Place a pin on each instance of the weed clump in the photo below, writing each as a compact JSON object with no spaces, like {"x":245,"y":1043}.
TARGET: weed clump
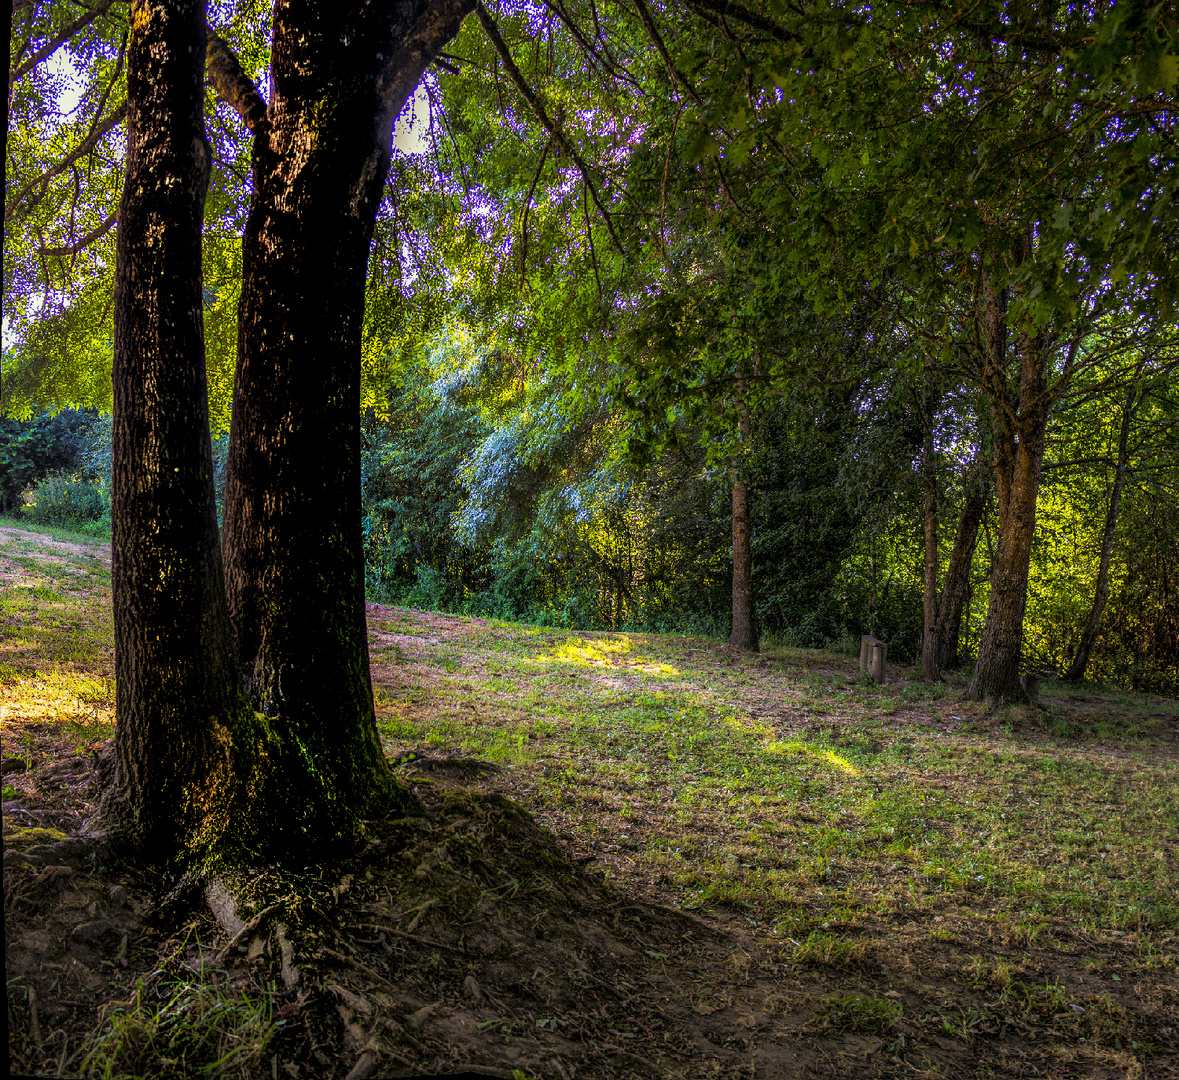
{"x":175,"y":1027}
{"x":860,"y":1013}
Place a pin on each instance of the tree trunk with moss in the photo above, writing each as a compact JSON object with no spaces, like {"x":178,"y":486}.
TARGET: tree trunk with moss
{"x":184,"y":732}
{"x":203,"y":772}
{"x":293,"y":546}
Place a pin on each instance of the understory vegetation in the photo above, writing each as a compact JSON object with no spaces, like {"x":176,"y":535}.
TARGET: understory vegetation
{"x":900,"y":865}
{"x":479,"y":499}
{"x":470,"y":510}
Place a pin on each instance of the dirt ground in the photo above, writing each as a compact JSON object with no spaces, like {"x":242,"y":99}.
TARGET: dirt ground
{"x":470,"y":939}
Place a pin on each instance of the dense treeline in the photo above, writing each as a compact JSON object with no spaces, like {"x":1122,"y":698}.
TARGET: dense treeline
{"x":682,"y":318}
{"x":468,"y":510}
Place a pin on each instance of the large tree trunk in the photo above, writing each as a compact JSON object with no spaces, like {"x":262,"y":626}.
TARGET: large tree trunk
{"x":929,"y":654}
{"x":293,"y":548}
{"x":1019,"y":432}
{"x":1076,"y":670}
{"x":184,"y":738}
{"x":956,"y":586}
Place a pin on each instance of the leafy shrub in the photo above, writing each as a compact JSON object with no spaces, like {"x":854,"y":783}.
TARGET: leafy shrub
{"x":428,"y":592}
{"x":67,"y":501}
{"x":32,"y":449}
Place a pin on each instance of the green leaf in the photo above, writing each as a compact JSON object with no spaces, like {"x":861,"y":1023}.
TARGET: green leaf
{"x":1157,"y":70}
{"x":700,"y":145}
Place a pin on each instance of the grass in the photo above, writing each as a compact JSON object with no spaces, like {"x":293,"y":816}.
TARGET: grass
{"x":56,"y":642}
{"x":1029,"y":856}
{"x":199,"y":1027}
{"x":758,"y":783}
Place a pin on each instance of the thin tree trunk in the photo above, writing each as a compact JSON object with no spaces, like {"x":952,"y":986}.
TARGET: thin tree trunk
{"x":872,"y":583}
{"x":929,"y":654}
{"x":1019,"y":453}
{"x":956,"y":586}
{"x":184,"y":729}
{"x":744,"y":635}
{"x":1076,"y":670}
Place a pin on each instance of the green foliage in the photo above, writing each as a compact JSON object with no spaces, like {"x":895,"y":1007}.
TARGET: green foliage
{"x":30,"y":450}
{"x":789,"y":223}
{"x":68,"y":500}
{"x":177,"y":1027}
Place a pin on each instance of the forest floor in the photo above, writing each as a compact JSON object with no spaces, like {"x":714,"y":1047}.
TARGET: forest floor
{"x":641,"y":857}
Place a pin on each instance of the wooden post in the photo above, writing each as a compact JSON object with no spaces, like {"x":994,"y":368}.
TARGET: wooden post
{"x":873,"y":656}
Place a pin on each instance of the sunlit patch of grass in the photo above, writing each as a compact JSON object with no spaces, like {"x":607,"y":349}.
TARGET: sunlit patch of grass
{"x":826,"y":755}
{"x":56,"y":645}
{"x":61,"y":697}
{"x":603,"y":652}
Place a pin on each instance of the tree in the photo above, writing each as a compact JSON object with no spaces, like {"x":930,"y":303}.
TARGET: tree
{"x":177,"y":679}
{"x":293,"y":546}
{"x":1130,"y":443}
{"x":301,"y":763}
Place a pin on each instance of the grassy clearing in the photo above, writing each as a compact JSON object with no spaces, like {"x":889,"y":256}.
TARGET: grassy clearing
{"x":56,"y":643}
{"x":787,"y":788}
{"x":918,"y":868}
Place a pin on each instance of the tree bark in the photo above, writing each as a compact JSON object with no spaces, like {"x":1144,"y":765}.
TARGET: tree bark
{"x":744,"y":634}
{"x":930,"y":671}
{"x":1020,"y":428}
{"x":1076,"y":669}
{"x":184,"y":738}
{"x":956,"y":586}
{"x":293,"y":545}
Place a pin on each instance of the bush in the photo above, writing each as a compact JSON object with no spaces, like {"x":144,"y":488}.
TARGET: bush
{"x":67,"y":501}
{"x":32,"y":449}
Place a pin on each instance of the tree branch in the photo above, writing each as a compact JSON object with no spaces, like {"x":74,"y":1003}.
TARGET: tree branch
{"x":608,"y":63}
{"x":437,"y":25}
{"x":85,"y":242}
{"x":653,"y":33}
{"x":232,"y":84}
{"x":83,"y":148}
{"x":749,"y":18}
{"x":537,"y":106}
{"x":64,"y":35}
{"x":524,"y":218}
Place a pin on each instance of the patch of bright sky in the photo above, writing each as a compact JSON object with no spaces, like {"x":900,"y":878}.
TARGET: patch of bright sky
{"x":61,"y":66}
{"x":413,"y":125}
